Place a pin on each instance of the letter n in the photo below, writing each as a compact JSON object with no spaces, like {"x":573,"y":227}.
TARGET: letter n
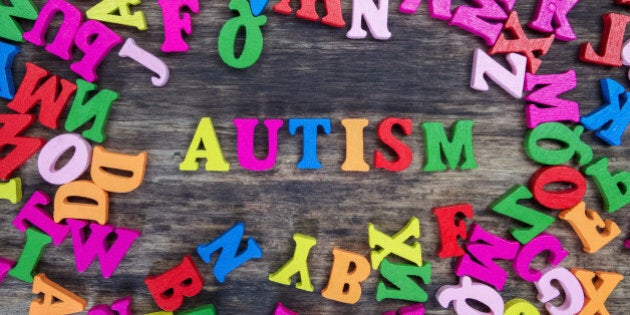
{"x":228,"y":243}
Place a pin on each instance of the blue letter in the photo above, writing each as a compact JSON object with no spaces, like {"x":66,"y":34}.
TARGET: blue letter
{"x":309,"y":140}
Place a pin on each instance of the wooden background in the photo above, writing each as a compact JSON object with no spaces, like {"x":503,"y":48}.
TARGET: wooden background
{"x":309,"y":70}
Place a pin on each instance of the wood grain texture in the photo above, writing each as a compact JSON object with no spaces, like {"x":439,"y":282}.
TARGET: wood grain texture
{"x":309,"y":70}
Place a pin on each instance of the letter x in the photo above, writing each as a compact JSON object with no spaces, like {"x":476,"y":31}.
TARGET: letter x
{"x":395,"y":244}
{"x":597,"y":292}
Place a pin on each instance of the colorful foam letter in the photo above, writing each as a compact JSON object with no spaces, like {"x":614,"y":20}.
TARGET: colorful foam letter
{"x":405,"y":288}
{"x":253,"y":46}
{"x":542,"y":243}
{"x":485,"y":19}
{"x":245,"y":143}
{"x":402,"y":151}
{"x":183,"y":280}
{"x":95,"y":109}
{"x":228,"y":243}
{"x":21,"y":148}
{"x":96,"y":245}
{"x":558,"y":199}
{"x":85,"y":189}
{"x":612,"y":186}
{"x":354,"y":145}
{"x":485,"y":247}
{"x":310,"y":127}
{"x":414,"y":309}
{"x":409,"y":7}
{"x":533,"y":49}
{"x":5,"y":266}
{"x":307,"y":11}
{"x":93,"y":38}
{"x":104,"y":12}
{"x":574,"y":296}
{"x":344,"y":285}
{"x":121,"y":306}
{"x":551,"y":16}
{"x":54,"y":149}
{"x":56,"y":300}
{"x":610,"y":44}
{"x":594,"y":232}
{"x":467,"y":289}
{"x":39,"y":87}
{"x":205,"y":135}
{"x":611,"y":119}
{"x":130,"y":49}
{"x":62,"y":44}
{"x":395,"y":244}
{"x":597,"y":288}
{"x":507,"y":205}
{"x":375,"y":17}
{"x":10,"y":28}
{"x":438,"y":9}
{"x":520,"y":307}
{"x":33,"y":214}
{"x":258,"y":6}
{"x":452,"y":228}
{"x":103,"y":161}
{"x":207,"y":309}
{"x":36,"y":241}
{"x":437,"y":145}
{"x":511,"y":81}
{"x":11,"y":190}
{"x":297,"y":264}
{"x":550,"y":87}
{"x":283,"y":310}
{"x":570,"y":144}
{"x":7,"y":55}
{"x":176,"y":22}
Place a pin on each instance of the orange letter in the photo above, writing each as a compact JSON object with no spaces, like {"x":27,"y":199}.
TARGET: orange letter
{"x":102,"y":160}
{"x":97,"y":209}
{"x":345,"y":285}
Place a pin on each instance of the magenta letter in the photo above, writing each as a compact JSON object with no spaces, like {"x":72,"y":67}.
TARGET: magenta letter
{"x":175,"y":23}
{"x":245,"y":143}
{"x":38,"y":217}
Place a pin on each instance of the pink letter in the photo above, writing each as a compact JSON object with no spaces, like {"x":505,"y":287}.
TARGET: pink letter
{"x":97,"y":245}
{"x":245,"y":143}
{"x":554,"y":12}
{"x":175,"y":22}
{"x":121,"y":306}
{"x":574,"y":296}
{"x":95,"y":40}
{"x":38,"y":217}
{"x":554,"y":109}
{"x":465,"y":290}
{"x":476,"y":19}
{"x":283,"y":310}
{"x":485,"y":248}
{"x":153,"y":63}
{"x":375,"y":18}
{"x":62,"y":44}
{"x":54,"y":149}
{"x":5,"y":266}
{"x":511,"y":81}
{"x":543,"y":242}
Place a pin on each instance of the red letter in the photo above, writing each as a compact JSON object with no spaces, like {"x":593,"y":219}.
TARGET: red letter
{"x":384,"y":132}
{"x":33,"y":90}
{"x":183,"y":280}
{"x":451,"y":227}
{"x":11,"y":125}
